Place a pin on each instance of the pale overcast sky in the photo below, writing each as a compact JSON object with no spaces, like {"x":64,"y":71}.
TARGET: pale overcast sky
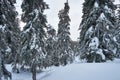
{"x":52,"y":14}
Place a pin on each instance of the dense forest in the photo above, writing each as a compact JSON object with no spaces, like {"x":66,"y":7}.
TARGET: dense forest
{"x":39,"y":45}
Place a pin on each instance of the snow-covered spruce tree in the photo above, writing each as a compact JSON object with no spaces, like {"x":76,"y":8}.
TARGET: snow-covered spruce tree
{"x":50,"y":46}
{"x":9,"y":31}
{"x":97,"y":23}
{"x":116,"y":33}
{"x":64,"y":50}
{"x":33,"y":52}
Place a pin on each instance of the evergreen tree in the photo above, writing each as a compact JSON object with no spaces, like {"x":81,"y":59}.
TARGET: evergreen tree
{"x":116,"y":33}
{"x":95,"y":30}
{"x":9,"y":32}
{"x":50,"y":45}
{"x":63,"y":46}
{"x":33,"y":52}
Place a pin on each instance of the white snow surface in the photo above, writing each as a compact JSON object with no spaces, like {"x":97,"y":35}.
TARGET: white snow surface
{"x":114,"y":38}
{"x":99,"y":51}
{"x":96,"y":5}
{"x":28,"y":30}
{"x":107,"y":27}
{"x":33,"y":45}
{"x":36,"y":14}
{"x":76,"y":71}
{"x":8,"y":49}
{"x":94,"y":43}
{"x":106,"y":7}
{"x":90,"y":31}
{"x":102,"y":16}
{"x":2,"y":27}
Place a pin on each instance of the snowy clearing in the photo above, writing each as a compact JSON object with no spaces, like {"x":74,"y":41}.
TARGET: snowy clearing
{"x":76,"y":71}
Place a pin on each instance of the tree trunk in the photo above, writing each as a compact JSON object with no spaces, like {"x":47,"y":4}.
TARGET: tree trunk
{"x":34,"y":72}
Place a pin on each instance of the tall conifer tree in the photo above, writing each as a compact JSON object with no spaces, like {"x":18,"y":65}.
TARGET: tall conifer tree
{"x":50,"y":45}
{"x":97,"y":24}
{"x":9,"y":31}
{"x":63,"y":47}
{"x":116,"y":33}
{"x":33,"y":52}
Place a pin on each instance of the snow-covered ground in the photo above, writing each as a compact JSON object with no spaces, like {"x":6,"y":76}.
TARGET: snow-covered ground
{"x":76,"y":71}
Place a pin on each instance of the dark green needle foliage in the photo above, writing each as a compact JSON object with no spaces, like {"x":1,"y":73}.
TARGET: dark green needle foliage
{"x":98,"y":21}
{"x":63,"y":44}
{"x":33,"y":52}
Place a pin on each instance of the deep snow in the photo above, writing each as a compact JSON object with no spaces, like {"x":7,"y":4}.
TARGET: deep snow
{"x":76,"y":71}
